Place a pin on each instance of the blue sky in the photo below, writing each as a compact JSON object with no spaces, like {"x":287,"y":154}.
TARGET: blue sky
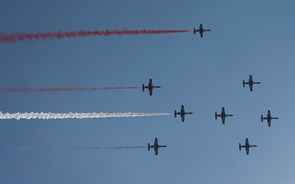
{"x":247,"y":37}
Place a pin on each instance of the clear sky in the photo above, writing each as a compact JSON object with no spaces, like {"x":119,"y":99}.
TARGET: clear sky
{"x":247,"y":37}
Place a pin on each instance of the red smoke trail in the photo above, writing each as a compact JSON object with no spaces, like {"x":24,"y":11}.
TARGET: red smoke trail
{"x":108,"y":147}
{"x":17,"y":90}
{"x":60,"y":35}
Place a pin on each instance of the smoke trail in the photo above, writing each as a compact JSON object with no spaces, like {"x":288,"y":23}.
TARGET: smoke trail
{"x":18,"y":90}
{"x":61,"y":35}
{"x":40,"y":148}
{"x":71,"y":115}
{"x":108,"y":147}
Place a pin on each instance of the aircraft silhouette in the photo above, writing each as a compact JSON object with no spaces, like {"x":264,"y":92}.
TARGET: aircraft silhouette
{"x":247,"y":146}
{"x":156,"y":146}
{"x":182,"y":113}
{"x":268,"y":118}
{"x":250,"y":83}
{"x":150,"y":87}
{"x":201,"y":30}
{"x":223,"y":115}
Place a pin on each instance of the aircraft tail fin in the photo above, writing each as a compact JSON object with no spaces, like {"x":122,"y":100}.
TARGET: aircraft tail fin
{"x":175,"y":114}
{"x":215,"y":115}
{"x":149,"y":147}
{"x":240,"y":146}
{"x":244,"y":83}
{"x":142,"y":87}
{"x":261,"y":118}
{"x":195,"y":31}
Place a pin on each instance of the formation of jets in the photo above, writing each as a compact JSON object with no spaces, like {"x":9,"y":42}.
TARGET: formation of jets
{"x":182,"y":113}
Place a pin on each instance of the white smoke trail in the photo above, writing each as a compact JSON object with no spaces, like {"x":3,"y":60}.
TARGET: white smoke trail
{"x":71,"y":115}
{"x":59,"y":148}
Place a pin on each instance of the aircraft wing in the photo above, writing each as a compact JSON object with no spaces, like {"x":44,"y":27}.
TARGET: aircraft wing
{"x":246,"y":141}
{"x":247,"y":150}
{"x":151,"y":91}
{"x":150,"y":82}
{"x":269,"y":123}
{"x":182,"y":117}
{"x":156,"y":141}
{"x":182,"y":108}
{"x":251,"y":87}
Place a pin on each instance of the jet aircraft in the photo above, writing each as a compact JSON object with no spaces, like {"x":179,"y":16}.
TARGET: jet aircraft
{"x":156,"y":146}
{"x":182,"y":113}
{"x":223,"y":115}
{"x":250,"y":83}
{"x":247,"y":146}
{"x":201,"y":30}
{"x":268,"y":118}
{"x":150,"y":87}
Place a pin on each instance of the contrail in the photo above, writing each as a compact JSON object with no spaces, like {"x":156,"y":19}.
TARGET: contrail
{"x":71,"y":115}
{"x":20,"y":90}
{"x":11,"y":38}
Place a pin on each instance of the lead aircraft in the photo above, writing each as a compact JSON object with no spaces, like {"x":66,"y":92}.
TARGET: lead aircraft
{"x":250,"y":83}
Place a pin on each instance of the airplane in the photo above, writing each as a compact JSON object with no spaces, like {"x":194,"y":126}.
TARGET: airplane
{"x":268,"y":118}
{"x":182,"y":113}
{"x":201,"y":30}
{"x":247,"y":146}
{"x":223,"y":115}
{"x":150,"y":86}
{"x":156,"y":146}
{"x":250,"y":83}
